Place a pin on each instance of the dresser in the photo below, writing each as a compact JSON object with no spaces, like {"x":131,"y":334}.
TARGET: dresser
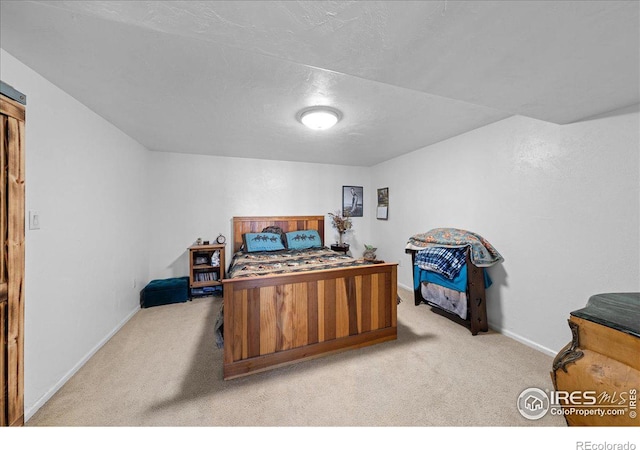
{"x":597,"y":375}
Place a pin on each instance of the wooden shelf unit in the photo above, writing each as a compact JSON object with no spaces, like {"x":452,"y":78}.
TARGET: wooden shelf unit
{"x":201,"y":272}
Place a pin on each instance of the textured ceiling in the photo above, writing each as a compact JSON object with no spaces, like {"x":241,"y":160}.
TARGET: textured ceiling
{"x":228,"y":78}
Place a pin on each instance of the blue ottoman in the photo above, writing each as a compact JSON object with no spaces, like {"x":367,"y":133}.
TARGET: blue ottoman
{"x":163,"y":292}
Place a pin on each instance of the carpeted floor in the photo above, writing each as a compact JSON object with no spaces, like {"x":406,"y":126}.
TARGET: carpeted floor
{"x":163,"y":369}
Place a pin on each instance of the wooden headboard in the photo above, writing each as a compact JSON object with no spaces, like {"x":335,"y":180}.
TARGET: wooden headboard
{"x":243,"y":225}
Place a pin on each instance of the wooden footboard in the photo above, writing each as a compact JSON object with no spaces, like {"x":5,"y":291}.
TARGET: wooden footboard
{"x":282,"y":319}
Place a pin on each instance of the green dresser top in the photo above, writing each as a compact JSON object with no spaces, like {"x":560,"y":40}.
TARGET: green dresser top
{"x":620,"y":311}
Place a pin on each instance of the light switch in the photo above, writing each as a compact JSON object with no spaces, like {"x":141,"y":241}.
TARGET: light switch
{"x":34,"y":220}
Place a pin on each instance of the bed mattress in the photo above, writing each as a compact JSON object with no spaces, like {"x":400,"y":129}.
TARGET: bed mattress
{"x":253,"y":264}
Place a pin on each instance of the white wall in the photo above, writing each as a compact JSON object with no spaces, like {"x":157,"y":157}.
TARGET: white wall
{"x":88,"y":181}
{"x":559,"y":202}
{"x":196,"y":196}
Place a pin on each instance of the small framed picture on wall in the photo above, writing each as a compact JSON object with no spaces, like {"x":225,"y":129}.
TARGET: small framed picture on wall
{"x":352,"y":201}
{"x":382,"y":212}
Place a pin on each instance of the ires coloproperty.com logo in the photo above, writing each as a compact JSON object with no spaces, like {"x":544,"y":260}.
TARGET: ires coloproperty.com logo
{"x":534,"y":403}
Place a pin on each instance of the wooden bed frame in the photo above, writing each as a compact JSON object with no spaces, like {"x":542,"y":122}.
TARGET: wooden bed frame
{"x":275,"y":320}
{"x":476,"y":298}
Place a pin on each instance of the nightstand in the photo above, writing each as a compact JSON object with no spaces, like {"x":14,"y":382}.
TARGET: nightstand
{"x":206,"y":269}
{"x":344,"y":248}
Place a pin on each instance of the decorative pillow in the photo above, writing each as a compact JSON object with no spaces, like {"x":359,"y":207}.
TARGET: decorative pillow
{"x":262,"y":242}
{"x":303,"y":239}
{"x":277,"y":230}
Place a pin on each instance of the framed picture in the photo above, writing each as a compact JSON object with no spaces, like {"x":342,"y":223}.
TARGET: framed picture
{"x":352,"y":201}
{"x":382,"y":211}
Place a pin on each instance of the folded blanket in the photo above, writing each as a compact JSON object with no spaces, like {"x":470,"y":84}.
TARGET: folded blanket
{"x":459,"y":283}
{"x":444,"y":260}
{"x":447,"y":299}
{"x":482,"y":253}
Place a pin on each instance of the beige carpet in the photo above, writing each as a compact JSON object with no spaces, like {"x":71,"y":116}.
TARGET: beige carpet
{"x":163,"y":369}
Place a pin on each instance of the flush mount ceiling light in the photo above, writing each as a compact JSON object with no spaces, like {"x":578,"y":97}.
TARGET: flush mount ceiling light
{"x":319,"y":117}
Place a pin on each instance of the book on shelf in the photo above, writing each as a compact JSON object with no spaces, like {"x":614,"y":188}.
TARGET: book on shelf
{"x":206,"y":276}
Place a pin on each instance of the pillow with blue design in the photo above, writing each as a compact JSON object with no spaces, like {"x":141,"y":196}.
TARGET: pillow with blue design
{"x":301,"y":239}
{"x":262,"y":242}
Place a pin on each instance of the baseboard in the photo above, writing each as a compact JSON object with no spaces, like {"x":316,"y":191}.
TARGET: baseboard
{"x":523,"y":340}
{"x":509,"y":334}
{"x":45,"y":398}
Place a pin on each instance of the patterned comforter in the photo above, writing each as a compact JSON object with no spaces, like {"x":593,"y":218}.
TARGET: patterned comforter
{"x":286,"y":261}
{"x":482,"y":253}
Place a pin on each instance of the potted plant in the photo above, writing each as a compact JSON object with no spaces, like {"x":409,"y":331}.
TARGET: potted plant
{"x":342,"y":223}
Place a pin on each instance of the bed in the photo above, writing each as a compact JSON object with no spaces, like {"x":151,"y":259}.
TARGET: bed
{"x":286,"y":316}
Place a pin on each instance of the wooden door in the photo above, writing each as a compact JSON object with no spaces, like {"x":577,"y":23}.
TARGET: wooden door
{"x":12,"y":188}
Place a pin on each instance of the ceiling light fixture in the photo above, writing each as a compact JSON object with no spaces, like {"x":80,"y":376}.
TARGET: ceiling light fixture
{"x":319,"y":117}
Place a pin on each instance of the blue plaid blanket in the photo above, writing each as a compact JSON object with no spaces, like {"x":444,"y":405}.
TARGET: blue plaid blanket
{"x":443,"y":260}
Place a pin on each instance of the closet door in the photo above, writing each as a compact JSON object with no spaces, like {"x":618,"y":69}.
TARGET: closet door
{"x":12,"y":188}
